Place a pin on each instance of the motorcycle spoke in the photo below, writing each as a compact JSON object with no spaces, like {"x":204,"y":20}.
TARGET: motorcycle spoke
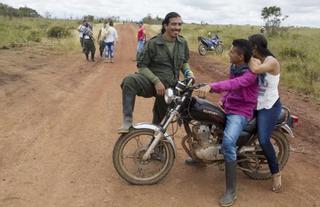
{"x":138,"y":141}
{"x":130,"y":156}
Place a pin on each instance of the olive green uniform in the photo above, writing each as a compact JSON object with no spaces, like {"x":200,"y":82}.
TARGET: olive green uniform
{"x":159,"y":61}
{"x":89,"y":47}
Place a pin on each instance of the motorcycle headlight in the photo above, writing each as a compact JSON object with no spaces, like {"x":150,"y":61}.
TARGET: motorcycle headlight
{"x":169,"y":96}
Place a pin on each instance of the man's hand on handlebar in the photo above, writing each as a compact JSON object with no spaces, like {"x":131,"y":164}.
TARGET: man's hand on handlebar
{"x":203,"y":91}
{"x":160,"y":89}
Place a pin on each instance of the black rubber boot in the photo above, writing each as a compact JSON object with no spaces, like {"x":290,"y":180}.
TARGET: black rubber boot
{"x":128,"y":101}
{"x":92,"y":56}
{"x":230,"y":195}
{"x":193,"y":162}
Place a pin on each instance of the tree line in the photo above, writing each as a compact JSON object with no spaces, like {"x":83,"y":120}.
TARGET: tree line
{"x":9,"y":11}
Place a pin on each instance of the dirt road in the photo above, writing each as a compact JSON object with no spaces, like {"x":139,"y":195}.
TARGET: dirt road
{"x":58,"y":121}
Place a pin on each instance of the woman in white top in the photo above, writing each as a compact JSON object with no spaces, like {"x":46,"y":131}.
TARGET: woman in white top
{"x":268,"y":106}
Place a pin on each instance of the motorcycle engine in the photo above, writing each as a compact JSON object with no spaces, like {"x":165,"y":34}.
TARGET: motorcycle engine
{"x":206,"y":142}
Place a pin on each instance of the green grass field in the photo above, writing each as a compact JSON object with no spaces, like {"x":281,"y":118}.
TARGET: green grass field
{"x":296,"y":48}
{"x":17,"y":32}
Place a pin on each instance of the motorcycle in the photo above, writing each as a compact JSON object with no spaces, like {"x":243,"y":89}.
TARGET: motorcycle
{"x":145,"y":155}
{"x":210,"y":44}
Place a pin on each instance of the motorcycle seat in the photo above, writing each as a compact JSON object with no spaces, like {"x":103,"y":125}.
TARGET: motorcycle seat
{"x":251,"y":126}
{"x":283,"y":117}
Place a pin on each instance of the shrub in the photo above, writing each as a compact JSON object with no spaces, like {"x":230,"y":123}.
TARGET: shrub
{"x":34,"y":36}
{"x":58,"y":32}
{"x":294,"y":67}
{"x":292,"y":53}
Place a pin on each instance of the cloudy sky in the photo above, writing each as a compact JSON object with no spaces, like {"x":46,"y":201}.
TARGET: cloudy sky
{"x":301,"y":12}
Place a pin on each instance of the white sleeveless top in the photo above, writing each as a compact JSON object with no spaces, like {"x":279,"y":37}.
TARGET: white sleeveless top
{"x":268,"y":91}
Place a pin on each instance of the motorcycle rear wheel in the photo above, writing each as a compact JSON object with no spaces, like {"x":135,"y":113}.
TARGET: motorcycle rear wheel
{"x":281,"y":145}
{"x":219,"y":49}
{"x":134,"y":171}
{"x":202,"y":50}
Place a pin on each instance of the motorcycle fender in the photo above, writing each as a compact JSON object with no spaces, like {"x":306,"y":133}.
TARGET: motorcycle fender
{"x":156,"y":128}
{"x":286,"y":129}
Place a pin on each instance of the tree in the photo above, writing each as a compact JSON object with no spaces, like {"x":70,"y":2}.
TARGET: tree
{"x":273,"y":18}
{"x":6,"y":10}
{"x":150,"y":20}
{"x":28,"y":12}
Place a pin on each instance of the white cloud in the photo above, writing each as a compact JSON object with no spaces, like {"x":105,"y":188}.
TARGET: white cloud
{"x":301,"y":12}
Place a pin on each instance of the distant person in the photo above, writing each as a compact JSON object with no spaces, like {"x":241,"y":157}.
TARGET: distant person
{"x":101,"y":37}
{"x":81,"y":29}
{"x":141,"y":36}
{"x":110,"y":41}
{"x":269,"y":106}
{"x":88,"y":42}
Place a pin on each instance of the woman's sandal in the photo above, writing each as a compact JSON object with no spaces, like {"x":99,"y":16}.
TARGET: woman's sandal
{"x":276,"y":182}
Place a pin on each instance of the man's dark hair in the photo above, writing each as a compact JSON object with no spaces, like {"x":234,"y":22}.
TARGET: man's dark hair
{"x":244,"y":48}
{"x":167,"y":20}
{"x":111,"y":23}
{"x":260,"y":43}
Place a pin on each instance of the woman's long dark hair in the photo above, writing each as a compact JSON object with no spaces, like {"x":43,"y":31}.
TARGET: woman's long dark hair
{"x":167,"y":20}
{"x":259,"y":42}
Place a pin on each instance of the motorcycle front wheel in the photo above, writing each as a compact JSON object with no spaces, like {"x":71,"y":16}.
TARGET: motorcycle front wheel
{"x":202,"y":49}
{"x":257,"y":166}
{"x":127,"y":158}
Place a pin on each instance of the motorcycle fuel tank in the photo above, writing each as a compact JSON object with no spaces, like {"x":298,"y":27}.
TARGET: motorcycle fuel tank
{"x":203,"y":110}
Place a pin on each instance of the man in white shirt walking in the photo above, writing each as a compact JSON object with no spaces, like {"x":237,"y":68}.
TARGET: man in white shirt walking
{"x":101,"y":37}
{"x":110,"y":40}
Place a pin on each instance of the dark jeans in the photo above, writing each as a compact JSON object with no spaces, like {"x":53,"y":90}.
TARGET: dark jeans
{"x":102,"y":45}
{"x":81,"y":41}
{"x":266,"y":121}
{"x":89,"y":47}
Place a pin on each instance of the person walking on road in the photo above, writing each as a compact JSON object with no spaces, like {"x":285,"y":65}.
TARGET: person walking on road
{"x":110,"y":42}
{"x":81,"y":29}
{"x":101,"y":37}
{"x":88,"y":43}
{"x":141,"y":39}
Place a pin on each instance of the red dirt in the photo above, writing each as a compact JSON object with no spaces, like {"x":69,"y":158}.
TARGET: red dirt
{"x":59,"y":115}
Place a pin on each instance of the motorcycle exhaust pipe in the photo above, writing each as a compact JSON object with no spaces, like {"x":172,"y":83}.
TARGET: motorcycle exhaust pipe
{"x":249,"y":149}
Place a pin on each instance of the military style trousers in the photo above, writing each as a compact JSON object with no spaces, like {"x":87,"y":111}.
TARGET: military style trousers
{"x":89,"y":48}
{"x":138,"y":84}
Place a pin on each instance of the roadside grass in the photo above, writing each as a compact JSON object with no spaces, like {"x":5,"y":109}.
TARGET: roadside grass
{"x":19,"y":32}
{"x":296,"y":48}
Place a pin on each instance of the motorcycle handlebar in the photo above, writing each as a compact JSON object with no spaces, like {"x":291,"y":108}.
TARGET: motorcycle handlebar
{"x":197,"y":86}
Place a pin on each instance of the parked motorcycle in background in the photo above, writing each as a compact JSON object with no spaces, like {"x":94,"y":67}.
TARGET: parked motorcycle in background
{"x":146,"y":154}
{"x":210,"y":44}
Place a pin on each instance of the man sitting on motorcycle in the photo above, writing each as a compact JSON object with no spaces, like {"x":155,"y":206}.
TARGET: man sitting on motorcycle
{"x":238,"y":102}
{"x":159,"y":65}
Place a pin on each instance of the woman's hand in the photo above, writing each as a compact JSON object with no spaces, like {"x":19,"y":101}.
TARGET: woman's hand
{"x":203,"y":91}
{"x":253,"y":64}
